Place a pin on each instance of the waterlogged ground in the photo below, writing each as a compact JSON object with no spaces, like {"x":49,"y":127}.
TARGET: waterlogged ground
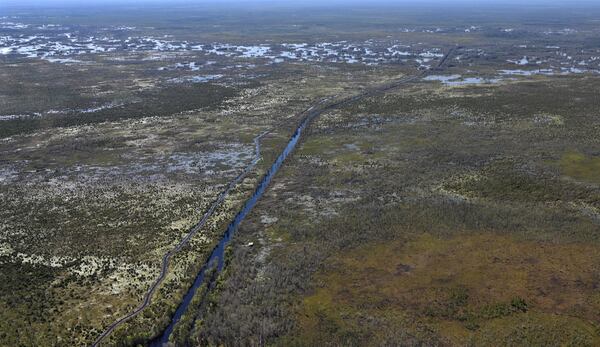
{"x":437,"y":214}
{"x":94,"y":209}
{"x":58,"y":50}
{"x":461,"y":209}
{"x":95,"y":193}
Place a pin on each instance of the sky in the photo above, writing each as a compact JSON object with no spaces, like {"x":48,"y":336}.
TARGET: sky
{"x":306,"y":2}
{"x":285,"y":3}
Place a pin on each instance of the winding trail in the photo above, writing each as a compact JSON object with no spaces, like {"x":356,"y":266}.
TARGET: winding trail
{"x":217,"y":254}
{"x":166,"y":259}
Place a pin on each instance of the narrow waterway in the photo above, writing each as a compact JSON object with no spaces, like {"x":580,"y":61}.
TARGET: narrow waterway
{"x":217,"y":255}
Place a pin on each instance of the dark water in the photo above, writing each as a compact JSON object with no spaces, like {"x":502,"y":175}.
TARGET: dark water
{"x":218,"y":252}
{"x":216,"y":257}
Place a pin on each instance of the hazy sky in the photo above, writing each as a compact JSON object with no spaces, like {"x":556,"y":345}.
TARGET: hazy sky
{"x":480,"y":2}
{"x":286,"y":3}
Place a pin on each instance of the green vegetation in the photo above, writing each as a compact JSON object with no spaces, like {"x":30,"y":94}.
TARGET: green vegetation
{"x":456,"y":286}
{"x":502,"y":182}
{"x":180,"y":98}
{"x":579,"y":166}
{"x":429,"y":215}
{"x":428,"y":223}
